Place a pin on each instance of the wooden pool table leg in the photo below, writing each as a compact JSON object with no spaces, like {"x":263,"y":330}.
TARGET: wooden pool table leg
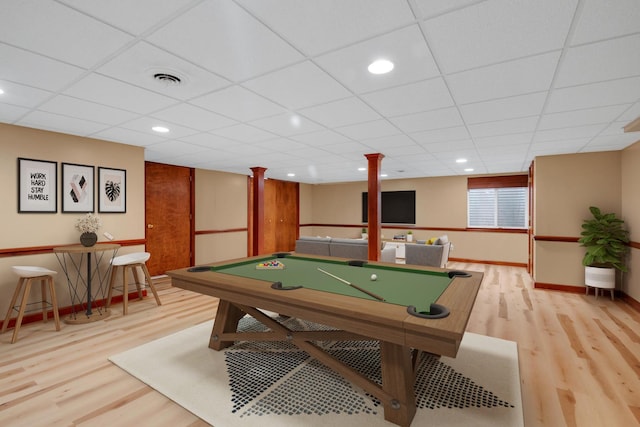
{"x":397,"y":380}
{"x":227,"y":318}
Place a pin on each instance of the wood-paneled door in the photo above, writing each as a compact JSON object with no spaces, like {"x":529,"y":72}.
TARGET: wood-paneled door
{"x":281,"y":215}
{"x":169,"y":217}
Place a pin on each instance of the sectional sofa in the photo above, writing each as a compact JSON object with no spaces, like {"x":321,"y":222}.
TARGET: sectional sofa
{"x":433,"y":255}
{"x":344,"y":248}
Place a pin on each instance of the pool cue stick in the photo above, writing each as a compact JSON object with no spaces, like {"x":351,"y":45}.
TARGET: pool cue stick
{"x":371,"y":294}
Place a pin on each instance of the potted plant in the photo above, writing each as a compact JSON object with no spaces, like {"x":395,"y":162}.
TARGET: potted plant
{"x":88,"y":225}
{"x":409,"y":236}
{"x":364,"y":233}
{"x":606,"y":240}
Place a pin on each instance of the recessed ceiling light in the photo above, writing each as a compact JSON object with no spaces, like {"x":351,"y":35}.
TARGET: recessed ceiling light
{"x":468,"y":170}
{"x":461,"y":160}
{"x":160,"y":129}
{"x":1,"y":91}
{"x":362,"y":169}
{"x":383,"y":175}
{"x":295,"y":121}
{"x":291,"y":174}
{"x":380,"y":66}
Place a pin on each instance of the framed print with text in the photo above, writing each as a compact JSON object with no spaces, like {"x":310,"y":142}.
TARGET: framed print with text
{"x":76,"y":188}
{"x":112,"y":190}
{"x":37,"y":183}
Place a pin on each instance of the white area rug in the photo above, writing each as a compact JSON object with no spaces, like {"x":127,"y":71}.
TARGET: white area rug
{"x":275,"y":384}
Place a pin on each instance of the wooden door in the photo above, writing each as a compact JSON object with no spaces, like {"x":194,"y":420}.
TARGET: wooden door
{"x":168,"y":213}
{"x":281,"y":215}
{"x":287,"y":199}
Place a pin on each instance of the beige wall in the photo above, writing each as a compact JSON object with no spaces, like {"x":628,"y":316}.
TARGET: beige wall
{"x":221,"y":204}
{"x":22,"y":230}
{"x":565,"y":187}
{"x":631,"y":215}
{"x":441,"y":203}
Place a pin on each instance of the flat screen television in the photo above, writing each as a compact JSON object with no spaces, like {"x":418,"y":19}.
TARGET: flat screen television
{"x":398,"y":207}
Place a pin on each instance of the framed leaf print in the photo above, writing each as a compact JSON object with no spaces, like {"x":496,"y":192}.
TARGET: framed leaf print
{"x":76,"y":188}
{"x":37,"y":186}
{"x":112,"y":190}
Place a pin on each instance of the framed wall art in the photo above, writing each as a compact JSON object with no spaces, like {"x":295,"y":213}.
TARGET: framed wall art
{"x":112,"y":190}
{"x":76,"y":188}
{"x":37,"y":183}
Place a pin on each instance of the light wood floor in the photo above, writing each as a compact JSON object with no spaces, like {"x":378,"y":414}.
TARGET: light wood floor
{"x":579,"y":358}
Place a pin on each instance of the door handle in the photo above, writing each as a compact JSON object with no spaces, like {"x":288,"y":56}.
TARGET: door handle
{"x":149,"y":225}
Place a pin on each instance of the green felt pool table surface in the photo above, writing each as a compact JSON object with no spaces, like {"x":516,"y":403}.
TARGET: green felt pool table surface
{"x":397,"y":285}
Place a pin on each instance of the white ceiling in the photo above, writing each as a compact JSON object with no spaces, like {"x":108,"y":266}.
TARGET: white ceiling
{"x":283,"y":84}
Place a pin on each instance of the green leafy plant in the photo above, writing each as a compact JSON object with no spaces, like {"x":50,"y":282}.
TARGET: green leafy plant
{"x":606,"y":240}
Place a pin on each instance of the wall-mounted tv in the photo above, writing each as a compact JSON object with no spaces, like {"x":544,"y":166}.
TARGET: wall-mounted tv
{"x":398,"y":207}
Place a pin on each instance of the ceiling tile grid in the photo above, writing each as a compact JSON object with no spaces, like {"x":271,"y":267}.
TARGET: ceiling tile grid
{"x":283,"y":84}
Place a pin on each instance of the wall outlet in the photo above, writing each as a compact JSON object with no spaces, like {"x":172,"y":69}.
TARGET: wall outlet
{"x":108,"y":235}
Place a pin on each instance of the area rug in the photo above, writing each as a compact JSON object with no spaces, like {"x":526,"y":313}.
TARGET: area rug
{"x":262,"y":384}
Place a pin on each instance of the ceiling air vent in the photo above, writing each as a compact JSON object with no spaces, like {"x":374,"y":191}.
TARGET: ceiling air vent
{"x":167,"y":79}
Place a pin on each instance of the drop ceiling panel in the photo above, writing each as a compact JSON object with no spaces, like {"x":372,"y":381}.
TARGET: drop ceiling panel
{"x":455,"y":133}
{"x":286,"y":125}
{"x":145,"y":125}
{"x":517,"y":139}
{"x":138,"y":64}
{"x":596,"y":62}
{"x":612,"y":142}
{"x":341,"y":113}
{"x":82,"y":109}
{"x":129,"y":137}
{"x":581,"y":117}
{"x":504,"y":127}
{"x":193,"y":117}
{"x":238,"y":103}
{"x":20,"y":95}
{"x":243,"y":133}
{"x":496,"y":31}
{"x":319,"y":26}
{"x":518,"y":77}
{"x":367,"y":130}
{"x":104,"y":90}
{"x":58,"y":123}
{"x":57,"y":31}
{"x":437,"y":119}
{"x":11,"y":113}
{"x":412,"y":98}
{"x":614,"y":92}
{"x":297,"y":86}
{"x":506,"y":108}
{"x":135,"y":17}
{"x":321,"y":137}
{"x":569,"y":133}
{"x":203,"y":35}
{"x":405,"y":48}
{"x":21,"y":66}
{"x":605,"y":19}
{"x":432,"y":8}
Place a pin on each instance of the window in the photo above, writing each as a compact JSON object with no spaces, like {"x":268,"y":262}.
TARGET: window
{"x":498,"y":202}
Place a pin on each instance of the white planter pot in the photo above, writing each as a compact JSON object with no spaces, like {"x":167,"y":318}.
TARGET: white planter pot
{"x":600,"y":277}
{"x":409,"y":237}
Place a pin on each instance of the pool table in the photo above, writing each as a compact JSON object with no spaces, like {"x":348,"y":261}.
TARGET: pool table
{"x":408,"y":309}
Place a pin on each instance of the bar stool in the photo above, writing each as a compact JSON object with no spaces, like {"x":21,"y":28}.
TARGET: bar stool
{"x":131,"y":262}
{"x":27,"y":274}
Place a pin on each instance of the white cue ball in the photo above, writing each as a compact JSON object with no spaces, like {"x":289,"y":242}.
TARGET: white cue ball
{"x":374,"y":277}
